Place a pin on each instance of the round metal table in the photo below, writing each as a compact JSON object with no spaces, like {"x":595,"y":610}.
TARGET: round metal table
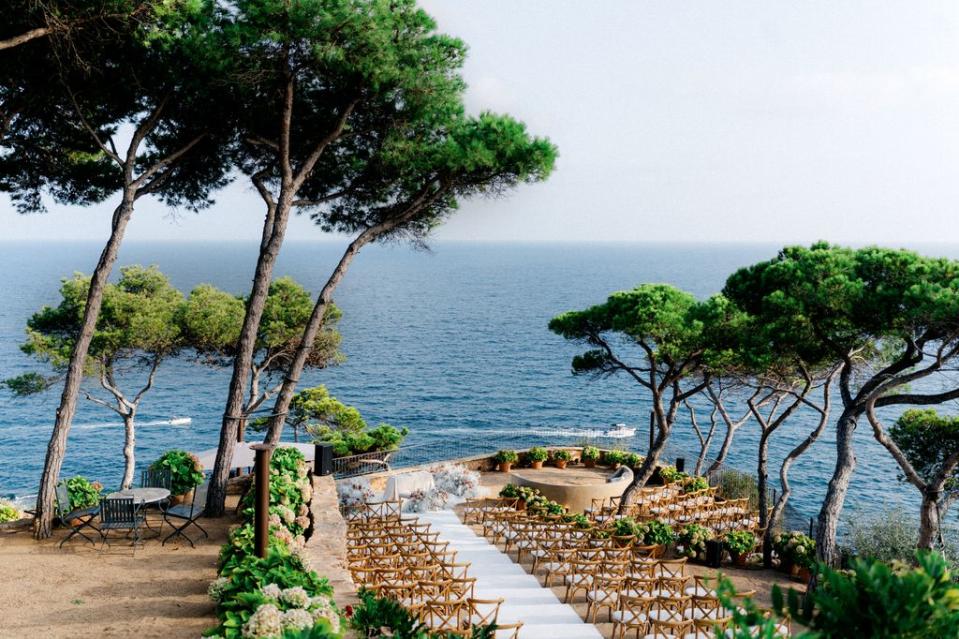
{"x":144,"y":497}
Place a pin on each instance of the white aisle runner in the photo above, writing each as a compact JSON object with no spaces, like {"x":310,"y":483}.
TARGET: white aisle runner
{"x":542,"y":613}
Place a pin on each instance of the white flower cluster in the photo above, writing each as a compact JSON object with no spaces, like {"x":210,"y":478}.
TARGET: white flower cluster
{"x":456,"y":479}
{"x":423,"y":501}
{"x":215,"y":590}
{"x":289,"y":609}
{"x":354,"y":492}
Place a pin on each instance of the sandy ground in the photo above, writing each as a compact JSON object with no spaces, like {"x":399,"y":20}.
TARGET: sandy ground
{"x":82,"y":591}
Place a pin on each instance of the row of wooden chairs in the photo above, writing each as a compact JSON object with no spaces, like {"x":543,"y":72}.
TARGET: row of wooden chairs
{"x":399,"y":557}
{"x":637,"y":589}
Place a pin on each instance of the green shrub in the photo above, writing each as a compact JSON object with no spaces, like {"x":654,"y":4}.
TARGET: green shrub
{"x":693,"y":484}
{"x":737,"y":485}
{"x":186,"y":472}
{"x":633,"y":460}
{"x":562,"y":455}
{"x":795,"y":548}
{"x":8,"y":512}
{"x":669,"y":474}
{"x":83,"y":493}
{"x":872,"y":600}
{"x":590,"y":453}
{"x":578,"y":519}
{"x":507,"y":457}
{"x":345,"y":443}
{"x":693,"y":538}
{"x":379,"y":617}
{"x":739,"y":541}
{"x":655,"y":532}
{"x":613,"y":457}
{"x":537,"y":454}
{"x":625,"y":527}
{"x":509,"y":491}
{"x":290,"y":491}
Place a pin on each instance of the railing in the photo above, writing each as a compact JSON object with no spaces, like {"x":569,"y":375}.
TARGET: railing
{"x":406,"y":456}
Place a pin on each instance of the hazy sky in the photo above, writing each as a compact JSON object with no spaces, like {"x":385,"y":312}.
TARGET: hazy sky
{"x":782,"y":121}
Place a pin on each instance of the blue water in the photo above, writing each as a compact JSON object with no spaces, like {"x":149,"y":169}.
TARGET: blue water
{"x":450,"y":343}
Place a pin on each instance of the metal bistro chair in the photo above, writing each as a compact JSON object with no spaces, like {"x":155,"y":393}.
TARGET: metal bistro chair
{"x":84,"y":516}
{"x":188,"y":514}
{"x":156,"y":479}
{"x":120,"y":513}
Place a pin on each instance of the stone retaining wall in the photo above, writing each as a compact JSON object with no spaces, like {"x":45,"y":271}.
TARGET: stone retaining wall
{"x":326,"y":548}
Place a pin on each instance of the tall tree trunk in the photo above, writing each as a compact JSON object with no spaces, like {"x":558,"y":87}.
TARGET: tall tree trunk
{"x":762,"y":478}
{"x":129,"y":445}
{"x":929,"y":520}
{"x":826,"y":548}
{"x":56,"y":448}
{"x":645,"y":472}
{"x":285,"y":395}
{"x":274,"y":231}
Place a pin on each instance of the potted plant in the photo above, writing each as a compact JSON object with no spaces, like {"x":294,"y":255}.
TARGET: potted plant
{"x":590,"y":456}
{"x":632,"y":460}
{"x":624,"y":531}
{"x":694,"y":484}
{"x":186,"y":473}
{"x":655,"y":533}
{"x":561,"y":458}
{"x":505,"y":460}
{"x":536,"y":456}
{"x":614,"y":458}
{"x":669,"y":474}
{"x":579,"y":520}
{"x":692,"y":538}
{"x":83,"y":493}
{"x":739,"y":543}
{"x":796,"y":552}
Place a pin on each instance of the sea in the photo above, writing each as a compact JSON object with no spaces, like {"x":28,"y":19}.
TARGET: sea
{"x":450,"y":342}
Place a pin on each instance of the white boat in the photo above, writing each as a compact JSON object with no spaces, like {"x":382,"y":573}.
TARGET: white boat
{"x":181,"y":421}
{"x":620,"y":431}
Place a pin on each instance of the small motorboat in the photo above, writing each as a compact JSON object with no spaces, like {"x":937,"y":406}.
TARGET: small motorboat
{"x":181,"y":421}
{"x":620,"y":431}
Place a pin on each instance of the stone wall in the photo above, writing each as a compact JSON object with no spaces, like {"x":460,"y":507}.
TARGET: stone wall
{"x":326,"y":547}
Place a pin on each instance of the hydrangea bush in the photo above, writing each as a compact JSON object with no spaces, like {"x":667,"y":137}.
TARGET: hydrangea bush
{"x":795,"y":548}
{"x":692,"y":538}
{"x":456,"y":479}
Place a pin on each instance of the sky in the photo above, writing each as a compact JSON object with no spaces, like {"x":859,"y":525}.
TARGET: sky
{"x":680,"y":121}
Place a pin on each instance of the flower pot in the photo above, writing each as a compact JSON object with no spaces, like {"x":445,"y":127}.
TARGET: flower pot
{"x":535,"y":465}
{"x":185,"y":498}
{"x":589,"y":463}
{"x":559,"y":463}
{"x":614,"y":466}
{"x":739,"y":558}
{"x":786,"y":566}
{"x":624,"y":541}
{"x":504,"y":467}
{"x":804,"y":574}
{"x":521,"y":504}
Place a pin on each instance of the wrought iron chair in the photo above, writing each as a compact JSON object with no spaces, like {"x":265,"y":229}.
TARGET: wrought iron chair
{"x":120,"y":513}
{"x":156,"y":479}
{"x":187,"y":515}
{"x":84,"y":516}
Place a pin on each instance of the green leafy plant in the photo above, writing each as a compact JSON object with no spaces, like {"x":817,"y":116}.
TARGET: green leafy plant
{"x":739,"y":541}
{"x":561,"y":455}
{"x":578,"y":519}
{"x":795,"y":548}
{"x":8,"y":512}
{"x":290,"y":491}
{"x":694,"y":484}
{"x":186,"y":472}
{"x":633,"y":460}
{"x":590,"y":453}
{"x":873,"y":599}
{"x":379,"y":617}
{"x":83,"y":493}
{"x":614,"y":457}
{"x":656,"y":532}
{"x":625,"y":527}
{"x":507,"y":457}
{"x":509,"y":491}
{"x":537,"y":454}
{"x":693,"y":538}
{"x":669,"y":474}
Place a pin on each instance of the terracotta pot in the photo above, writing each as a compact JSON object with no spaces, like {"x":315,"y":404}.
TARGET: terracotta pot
{"x":559,"y":463}
{"x":614,"y":466}
{"x":185,"y":498}
{"x":794,"y":570}
{"x":589,"y":463}
{"x":740,"y":559}
{"x":804,"y":574}
{"x":536,"y":465}
{"x":521,"y":504}
{"x":504,"y":467}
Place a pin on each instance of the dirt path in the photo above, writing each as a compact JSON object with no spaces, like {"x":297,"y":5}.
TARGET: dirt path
{"x":81,"y":591}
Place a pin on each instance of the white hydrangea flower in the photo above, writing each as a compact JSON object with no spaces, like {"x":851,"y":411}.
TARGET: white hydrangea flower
{"x":296,"y":597}
{"x":271,"y":591}
{"x":297,"y":619}
{"x":267,"y":621}
{"x":216,"y":588}
{"x":329,"y":614}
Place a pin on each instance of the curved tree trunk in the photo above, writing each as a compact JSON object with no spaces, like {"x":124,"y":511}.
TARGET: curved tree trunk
{"x":826,"y":548}
{"x":645,"y":471}
{"x":129,"y":445}
{"x":762,"y":478}
{"x":929,"y":520}
{"x":56,"y":448}
{"x":274,"y":231}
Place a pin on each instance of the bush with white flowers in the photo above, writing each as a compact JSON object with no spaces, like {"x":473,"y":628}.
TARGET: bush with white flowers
{"x":424,"y":501}
{"x":354,"y":492}
{"x":456,"y":479}
{"x":289,"y":609}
